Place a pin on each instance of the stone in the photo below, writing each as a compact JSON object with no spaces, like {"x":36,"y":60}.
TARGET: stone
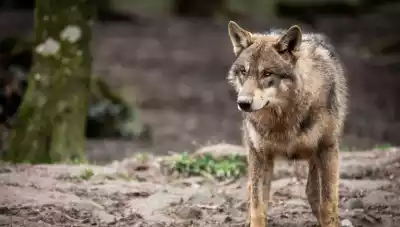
{"x":353,"y":203}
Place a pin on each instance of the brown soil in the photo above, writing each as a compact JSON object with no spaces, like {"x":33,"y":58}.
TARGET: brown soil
{"x":59,"y":195}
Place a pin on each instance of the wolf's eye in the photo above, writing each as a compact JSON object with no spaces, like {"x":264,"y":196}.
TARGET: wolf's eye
{"x":266,"y":74}
{"x":242,"y":70}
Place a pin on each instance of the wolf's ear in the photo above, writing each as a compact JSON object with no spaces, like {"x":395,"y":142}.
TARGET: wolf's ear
{"x":290,"y":40}
{"x":240,"y":38}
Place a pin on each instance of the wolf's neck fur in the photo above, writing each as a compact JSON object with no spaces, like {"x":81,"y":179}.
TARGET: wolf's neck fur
{"x":276,"y":120}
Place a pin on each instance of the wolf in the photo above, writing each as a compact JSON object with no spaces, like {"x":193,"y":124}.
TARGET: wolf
{"x":292,"y":92}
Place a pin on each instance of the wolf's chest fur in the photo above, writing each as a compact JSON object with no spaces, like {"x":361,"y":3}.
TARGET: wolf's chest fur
{"x":281,"y":142}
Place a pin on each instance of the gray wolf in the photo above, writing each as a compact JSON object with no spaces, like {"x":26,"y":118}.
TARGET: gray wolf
{"x":291,"y":89}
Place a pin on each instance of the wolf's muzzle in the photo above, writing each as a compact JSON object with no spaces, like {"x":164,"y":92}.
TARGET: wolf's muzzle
{"x":244,"y":103}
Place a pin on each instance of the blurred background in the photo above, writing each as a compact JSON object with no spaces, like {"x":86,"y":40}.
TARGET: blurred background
{"x":165,"y":63}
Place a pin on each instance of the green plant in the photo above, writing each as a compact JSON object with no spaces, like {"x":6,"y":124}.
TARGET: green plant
{"x":206,"y":165}
{"x":86,"y":174}
{"x":383,"y":146}
{"x":141,"y":157}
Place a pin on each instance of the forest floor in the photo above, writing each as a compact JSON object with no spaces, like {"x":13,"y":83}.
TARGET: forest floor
{"x":137,"y":192}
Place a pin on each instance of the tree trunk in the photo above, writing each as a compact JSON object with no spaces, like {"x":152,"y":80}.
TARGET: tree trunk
{"x":51,"y":121}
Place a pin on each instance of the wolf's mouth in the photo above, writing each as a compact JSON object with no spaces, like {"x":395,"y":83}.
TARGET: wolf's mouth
{"x":247,"y":107}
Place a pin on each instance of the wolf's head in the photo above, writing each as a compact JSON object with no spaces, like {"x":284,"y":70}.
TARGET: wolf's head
{"x":263,"y":74}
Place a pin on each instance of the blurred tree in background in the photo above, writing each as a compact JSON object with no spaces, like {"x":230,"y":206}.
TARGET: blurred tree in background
{"x":51,"y":119}
{"x":109,"y":115}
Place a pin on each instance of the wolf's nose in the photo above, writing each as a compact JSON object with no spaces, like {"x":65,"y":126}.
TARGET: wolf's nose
{"x":244,"y":105}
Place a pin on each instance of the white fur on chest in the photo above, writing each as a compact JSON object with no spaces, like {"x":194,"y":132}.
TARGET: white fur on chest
{"x":261,"y":143}
{"x":254,"y":137}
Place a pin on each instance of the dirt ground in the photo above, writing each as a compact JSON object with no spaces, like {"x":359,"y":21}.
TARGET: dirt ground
{"x":62,"y":195}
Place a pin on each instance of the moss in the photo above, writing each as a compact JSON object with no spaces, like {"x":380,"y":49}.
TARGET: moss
{"x":206,"y":165}
{"x":86,"y":174}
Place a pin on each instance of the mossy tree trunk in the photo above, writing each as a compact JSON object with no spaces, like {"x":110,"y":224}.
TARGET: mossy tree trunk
{"x":51,"y":121}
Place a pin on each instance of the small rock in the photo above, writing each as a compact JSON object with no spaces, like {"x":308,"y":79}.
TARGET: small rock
{"x":234,"y":213}
{"x":138,"y":194}
{"x":208,"y":196}
{"x":5,"y":170}
{"x":363,"y":185}
{"x":190,"y":213}
{"x":104,"y":216}
{"x":86,"y":205}
{"x":242,"y":205}
{"x":346,"y":223}
{"x":222,"y":218}
{"x":379,"y":197}
{"x":157,"y":225}
{"x":353,"y":203}
{"x":281,"y":183}
{"x":93,"y":208}
{"x":296,"y":203}
{"x":239,"y":225}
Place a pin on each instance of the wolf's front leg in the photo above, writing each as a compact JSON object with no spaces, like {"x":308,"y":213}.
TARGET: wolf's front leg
{"x":328,"y":155}
{"x":268,"y":174}
{"x":313,"y":187}
{"x":256,"y":180}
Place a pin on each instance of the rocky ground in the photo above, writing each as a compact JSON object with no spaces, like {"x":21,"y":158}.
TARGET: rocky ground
{"x":135,"y":192}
